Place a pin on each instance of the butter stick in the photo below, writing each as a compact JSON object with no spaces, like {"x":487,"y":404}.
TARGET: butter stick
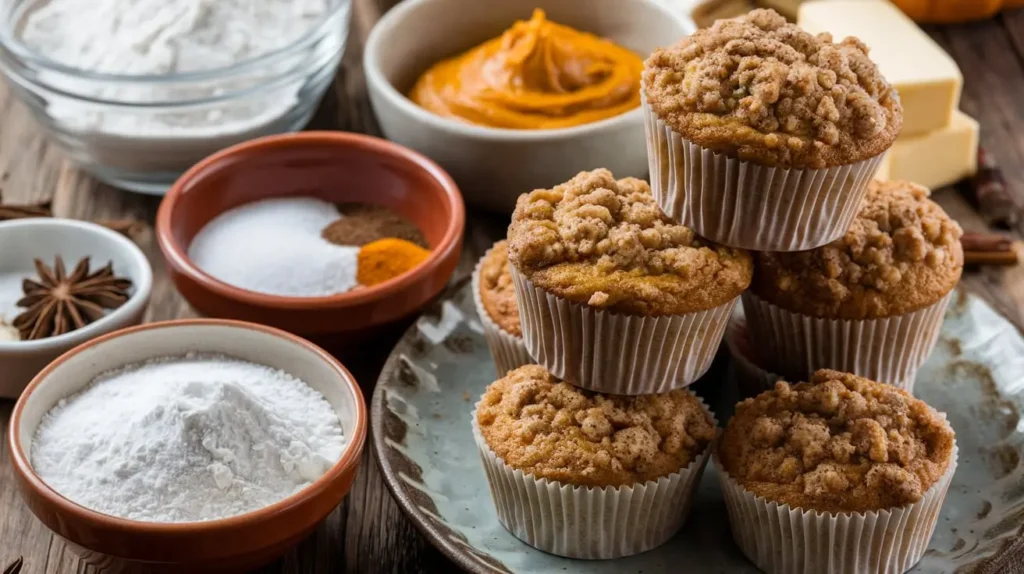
{"x":936,"y":159}
{"x":927,"y":78}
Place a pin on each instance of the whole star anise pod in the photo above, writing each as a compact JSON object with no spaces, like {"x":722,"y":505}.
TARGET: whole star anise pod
{"x":60,"y":302}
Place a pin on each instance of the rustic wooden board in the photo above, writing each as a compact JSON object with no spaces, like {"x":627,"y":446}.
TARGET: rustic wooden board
{"x":368,"y":533}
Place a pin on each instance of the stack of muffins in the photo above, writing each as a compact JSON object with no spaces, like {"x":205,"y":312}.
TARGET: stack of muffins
{"x":761,"y":138}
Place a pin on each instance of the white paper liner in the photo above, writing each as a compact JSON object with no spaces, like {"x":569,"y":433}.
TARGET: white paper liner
{"x":780,"y":539}
{"x":743,"y":204}
{"x":887,"y":350}
{"x":591,"y":523}
{"x":507,"y":350}
{"x":752,"y":378}
{"x":617,"y":353}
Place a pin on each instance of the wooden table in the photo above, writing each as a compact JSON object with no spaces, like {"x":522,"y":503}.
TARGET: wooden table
{"x":368,"y":533}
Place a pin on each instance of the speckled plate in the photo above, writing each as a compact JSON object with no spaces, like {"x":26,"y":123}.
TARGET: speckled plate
{"x":421,"y":430}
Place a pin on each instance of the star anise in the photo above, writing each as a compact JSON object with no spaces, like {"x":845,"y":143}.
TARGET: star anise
{"x":60,"y":302}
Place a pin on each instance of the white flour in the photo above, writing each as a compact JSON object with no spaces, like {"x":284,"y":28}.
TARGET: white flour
{"x":165,"y":37}
{"x":274,"y":247}
{"x":187,"y":439}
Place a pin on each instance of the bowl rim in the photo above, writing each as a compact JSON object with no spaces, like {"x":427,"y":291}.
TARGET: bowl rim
{"x":350,"y":456}
{"x":177,"y":254}
{"x":375,"y":78}
{"x":10,"y":41}
{"x":143,"y":286}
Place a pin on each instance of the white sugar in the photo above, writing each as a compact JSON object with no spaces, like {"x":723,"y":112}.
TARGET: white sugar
{"x":187,"y":439}
{"x":274,"y":247}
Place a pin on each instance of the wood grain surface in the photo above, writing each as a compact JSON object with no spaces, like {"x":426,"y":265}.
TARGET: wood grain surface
{"x":368,"y":533}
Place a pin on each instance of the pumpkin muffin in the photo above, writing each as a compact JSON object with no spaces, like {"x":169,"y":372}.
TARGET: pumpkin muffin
{"x":891,"y":273}
{"x":495,"y":299}
{"x":763,"y":136}
{"x":847,"y":454}
{"x":585,"y":454}
{"x":614,"y":296}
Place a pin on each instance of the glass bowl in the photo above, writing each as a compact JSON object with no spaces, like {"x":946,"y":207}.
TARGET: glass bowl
{"x":141,"y":132}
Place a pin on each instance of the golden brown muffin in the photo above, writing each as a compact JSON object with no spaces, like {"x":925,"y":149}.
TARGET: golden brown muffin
{"x":760,"y":89}
{"x":497,"y":292}
{"x":606,"y":244}
{"x":901,"y":254}
{"x":551,"y":429}
{"x":838,"y":443}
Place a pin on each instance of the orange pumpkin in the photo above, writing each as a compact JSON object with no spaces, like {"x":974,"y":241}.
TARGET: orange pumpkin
{"x":949,"y":11}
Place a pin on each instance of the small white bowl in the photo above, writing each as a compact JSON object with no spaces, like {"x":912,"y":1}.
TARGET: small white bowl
{"x":491,"y":165}
{"x":24,"y":240}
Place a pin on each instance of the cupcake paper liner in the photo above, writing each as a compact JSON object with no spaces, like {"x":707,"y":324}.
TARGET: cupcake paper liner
{"x":507,"y":350}
{"x":780,"y":539}
{"x":752,"y":378}
{"x":587,"y":522}
{"x":743,"y":204}
{"x":888,"y":350}
{"x":616,"y":353}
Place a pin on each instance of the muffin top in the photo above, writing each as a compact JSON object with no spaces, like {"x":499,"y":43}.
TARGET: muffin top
{"x":840,"y":443}
{"x":551,"y":429}
{"x":761,"y":89}
{"x":496,"y":290}
{"x":901,"y":254}
{"x":605,"y":243}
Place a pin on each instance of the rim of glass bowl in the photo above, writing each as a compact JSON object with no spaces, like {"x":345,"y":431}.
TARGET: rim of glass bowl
{"x":18,"y":11}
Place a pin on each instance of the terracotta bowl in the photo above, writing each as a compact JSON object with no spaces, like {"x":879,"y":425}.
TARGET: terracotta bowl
{"x":233,"y":544}
{"x":335,"y":167}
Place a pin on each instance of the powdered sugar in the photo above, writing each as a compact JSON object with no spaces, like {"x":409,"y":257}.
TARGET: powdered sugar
{"x":274,"y":246}
{"x":187,"y":439}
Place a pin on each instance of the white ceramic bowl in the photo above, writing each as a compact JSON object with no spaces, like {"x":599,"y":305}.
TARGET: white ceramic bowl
{"x":23,"y":240}
{"x":225,"y":546}
{"x":493,"y":166}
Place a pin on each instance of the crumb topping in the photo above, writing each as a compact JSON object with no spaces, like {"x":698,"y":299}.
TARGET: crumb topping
{"x":901,"y":254}
{"x":496,"y":290}
{"x":605,"y":243}
{"x":840,"y":443}
{"x":551,"y":429}
{"x":761,"y":89}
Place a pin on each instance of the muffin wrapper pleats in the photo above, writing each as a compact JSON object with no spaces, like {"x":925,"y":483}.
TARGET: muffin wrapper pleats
{"x":616,"y":353}
{"x":888,"y":350}
{"x":585,"y":522}
{"x":743,"y":204}
{"x":507,"y":350}
{"x":751,"y":378}
{"x":779,"y":539}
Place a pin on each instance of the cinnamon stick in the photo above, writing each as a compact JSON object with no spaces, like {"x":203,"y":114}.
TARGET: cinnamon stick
{"x":988,"y":249}
{"x":989,"y":191}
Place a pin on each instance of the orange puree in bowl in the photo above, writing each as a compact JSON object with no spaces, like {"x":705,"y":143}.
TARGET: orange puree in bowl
{"x":537,"y":75}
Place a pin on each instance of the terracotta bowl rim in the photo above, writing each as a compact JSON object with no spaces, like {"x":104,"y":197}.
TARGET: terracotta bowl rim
{"x":177,"y":255}
{"x":348,"y":462}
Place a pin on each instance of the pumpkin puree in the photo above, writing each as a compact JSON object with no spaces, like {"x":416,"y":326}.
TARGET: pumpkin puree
{"x":536,"y":75}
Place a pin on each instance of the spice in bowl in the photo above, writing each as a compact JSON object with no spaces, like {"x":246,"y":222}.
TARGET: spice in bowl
{"x":58,"y":302}
{"x":536,"y":75}
{"x":306,"y":247}
{"x":187,"y":439}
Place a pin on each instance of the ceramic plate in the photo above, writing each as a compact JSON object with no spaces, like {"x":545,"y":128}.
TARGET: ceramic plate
{"x":421,"y":430}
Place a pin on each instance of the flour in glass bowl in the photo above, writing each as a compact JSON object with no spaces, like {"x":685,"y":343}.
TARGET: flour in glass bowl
{"x":274,"y":246}
{"x":187,"y":439}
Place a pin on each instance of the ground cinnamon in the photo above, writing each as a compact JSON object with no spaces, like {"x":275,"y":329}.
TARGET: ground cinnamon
{"x":363,"y":223}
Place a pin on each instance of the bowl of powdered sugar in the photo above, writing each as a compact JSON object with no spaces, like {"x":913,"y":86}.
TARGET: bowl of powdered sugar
{"x":136,"y":91}
{"x":188,"y":446}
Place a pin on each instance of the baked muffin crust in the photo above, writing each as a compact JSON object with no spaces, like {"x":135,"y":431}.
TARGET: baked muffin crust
{"x":901,"y":254}
{"x":840,"y":443}
{"x":760,"y":89}
{"x":496,"y":290}
{"x":605,"y":243}
{"x":551,"y":429}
